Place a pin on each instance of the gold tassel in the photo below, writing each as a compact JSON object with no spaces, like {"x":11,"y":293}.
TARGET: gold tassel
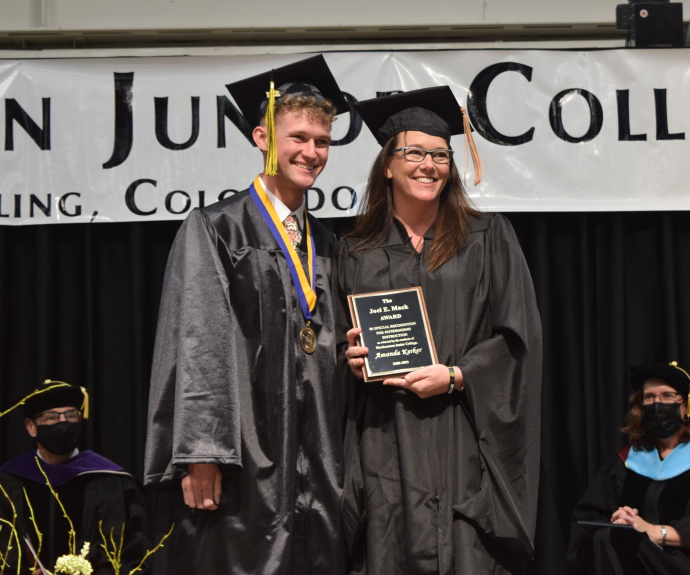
{"x":675,"y":364}
{"x":270,"y":121}
{"x":469,"y":143}
{"x":85,"y":405}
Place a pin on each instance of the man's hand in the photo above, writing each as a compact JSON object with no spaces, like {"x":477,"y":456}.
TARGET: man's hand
{"x":202,"y":487}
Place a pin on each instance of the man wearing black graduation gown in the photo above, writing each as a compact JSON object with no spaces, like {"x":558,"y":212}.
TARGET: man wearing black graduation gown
{"x":90,"y":487}
{"x":233,"y":393}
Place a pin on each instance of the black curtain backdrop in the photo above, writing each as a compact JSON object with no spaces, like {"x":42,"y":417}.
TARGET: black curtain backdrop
{"x":79,"y":303}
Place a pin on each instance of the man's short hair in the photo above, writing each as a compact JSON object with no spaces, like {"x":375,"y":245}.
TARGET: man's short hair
{"x":317,"y":111}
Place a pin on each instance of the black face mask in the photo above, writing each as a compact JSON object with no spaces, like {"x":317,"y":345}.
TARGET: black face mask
{"x":60,"y":438}
{"x":662,"y":419}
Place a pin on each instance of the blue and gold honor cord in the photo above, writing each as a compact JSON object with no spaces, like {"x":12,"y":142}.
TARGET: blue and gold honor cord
{"x":304,"y":287}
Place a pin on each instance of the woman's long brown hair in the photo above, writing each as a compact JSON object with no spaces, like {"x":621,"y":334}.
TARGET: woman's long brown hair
{"x":374,"y":224}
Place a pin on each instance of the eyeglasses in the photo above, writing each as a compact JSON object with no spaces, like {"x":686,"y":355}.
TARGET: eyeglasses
{"x":666,"y":397}
{"x":52,"y":417}
{"x":413,"y":154}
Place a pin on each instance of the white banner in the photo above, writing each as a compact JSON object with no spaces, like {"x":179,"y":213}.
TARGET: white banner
{"x":137,"y":139}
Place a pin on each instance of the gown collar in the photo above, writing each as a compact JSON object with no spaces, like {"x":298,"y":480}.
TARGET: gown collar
{"x":282,"y":210}
{"x":649,"y":464}
{"x":399,"y":235}
{"x":84,"y":462}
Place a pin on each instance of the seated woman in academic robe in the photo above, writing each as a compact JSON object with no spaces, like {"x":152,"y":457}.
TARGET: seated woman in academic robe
{"x":645,"y":487}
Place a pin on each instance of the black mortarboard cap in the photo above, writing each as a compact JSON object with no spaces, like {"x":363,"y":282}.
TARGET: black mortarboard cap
{"x":670,"y":373}
{"x":434,"y":111}
{"x":310,"y":77}
{"x":52,"y":394}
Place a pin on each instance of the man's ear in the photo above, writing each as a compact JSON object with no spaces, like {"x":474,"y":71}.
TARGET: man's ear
{"x":260,"y":138}
{"x":30,"y":427}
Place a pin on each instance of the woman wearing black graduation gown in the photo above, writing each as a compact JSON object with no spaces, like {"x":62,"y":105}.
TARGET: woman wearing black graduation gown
{"x":441,"y":476}
{"x":645,"y":485}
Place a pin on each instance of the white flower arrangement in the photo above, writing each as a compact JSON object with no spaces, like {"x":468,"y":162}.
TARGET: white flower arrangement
{"x":75,"y":564}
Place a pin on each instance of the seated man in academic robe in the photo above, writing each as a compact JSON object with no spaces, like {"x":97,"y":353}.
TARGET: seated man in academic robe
{"x":89,"y":487}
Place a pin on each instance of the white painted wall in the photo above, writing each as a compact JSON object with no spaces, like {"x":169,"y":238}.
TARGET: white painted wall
{"x":16,"y":15}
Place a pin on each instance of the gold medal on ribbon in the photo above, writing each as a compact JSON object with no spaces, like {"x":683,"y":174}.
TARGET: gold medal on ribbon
{"x":307,"y":339}
{"x":304,"y":286}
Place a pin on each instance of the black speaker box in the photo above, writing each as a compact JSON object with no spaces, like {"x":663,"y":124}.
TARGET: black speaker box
{"x":658,"y":25}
